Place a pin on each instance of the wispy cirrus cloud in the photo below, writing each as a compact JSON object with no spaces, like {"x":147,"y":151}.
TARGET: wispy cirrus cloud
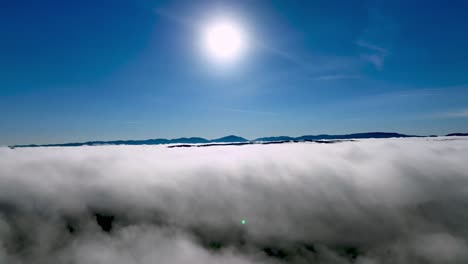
{"x":375,"y":59}
{"x":461,"y":113}
{"x":367,"y":45}
{"x":376,"y":38}
{"x":374,"y":54}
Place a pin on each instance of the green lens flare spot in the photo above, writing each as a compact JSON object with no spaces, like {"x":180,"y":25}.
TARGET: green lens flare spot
{"x":244,"y":221}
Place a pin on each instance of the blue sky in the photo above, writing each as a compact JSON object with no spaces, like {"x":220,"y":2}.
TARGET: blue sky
{"x":105,"y":70}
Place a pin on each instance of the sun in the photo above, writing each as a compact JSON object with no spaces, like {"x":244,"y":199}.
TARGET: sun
{"x":224,"y":40}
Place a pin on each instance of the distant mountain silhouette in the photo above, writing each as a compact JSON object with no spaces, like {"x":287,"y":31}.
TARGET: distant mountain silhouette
{"x":354,"y":136}
{"x":230,"y":138}
{"x":458,"y":134}
{"x":280,"y":138}
{"x":157,"y":141}
{"x":191,"y":140}
{"x":235,"y":140}
{"x":330,"y":137}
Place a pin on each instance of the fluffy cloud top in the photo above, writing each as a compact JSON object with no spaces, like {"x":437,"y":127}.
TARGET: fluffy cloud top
{"x":370,"y":201}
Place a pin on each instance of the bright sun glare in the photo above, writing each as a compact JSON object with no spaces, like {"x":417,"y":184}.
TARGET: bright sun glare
{"x":224,"y":40}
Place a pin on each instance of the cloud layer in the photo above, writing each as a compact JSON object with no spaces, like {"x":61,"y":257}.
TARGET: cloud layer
{"x":370,"y":201}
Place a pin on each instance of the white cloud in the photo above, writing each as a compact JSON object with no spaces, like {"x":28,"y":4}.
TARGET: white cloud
{"x":375,"y":59}
{"x":461,"y":113}
{"x":367,"y":45}
{"x":375,"y":55}
{"x":378,"y":201}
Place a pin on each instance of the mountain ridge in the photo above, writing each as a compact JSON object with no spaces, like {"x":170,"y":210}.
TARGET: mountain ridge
{"x":457,"y":135}
{"x":231,"y":139}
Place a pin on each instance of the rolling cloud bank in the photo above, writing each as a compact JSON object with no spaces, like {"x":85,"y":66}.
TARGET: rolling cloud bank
{"x":368,"y":201}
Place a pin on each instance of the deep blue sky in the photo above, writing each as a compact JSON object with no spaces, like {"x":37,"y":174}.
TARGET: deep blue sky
{"x":103,"y":70}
